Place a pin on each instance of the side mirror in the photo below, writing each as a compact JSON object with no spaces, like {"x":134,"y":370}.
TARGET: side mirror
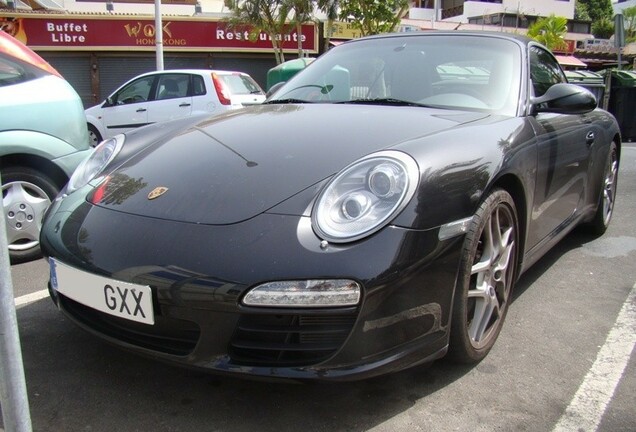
{"x":109,"y":102}
{"x":565,"y":99}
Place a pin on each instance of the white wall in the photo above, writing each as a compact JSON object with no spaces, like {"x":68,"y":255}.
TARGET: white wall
{"x":207,"y":6}
{"x":528,"y":7}
{"x":621,"y":6}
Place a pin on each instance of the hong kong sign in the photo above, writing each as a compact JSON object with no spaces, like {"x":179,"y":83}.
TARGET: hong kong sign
{"x":69,"y":33}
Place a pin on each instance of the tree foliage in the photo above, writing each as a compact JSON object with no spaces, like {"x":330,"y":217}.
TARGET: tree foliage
{"x":598,"y":9}
{"x":277,"y":18}
{"x":603,"y":28}
{"x":267,"y":16}
{"x":373,"y":16}
{"x":550,"y":31}
{"x":580,"y":11}
{"x":303,"y":12}
{"x":629,"y":15}
{"x":331,"y":9}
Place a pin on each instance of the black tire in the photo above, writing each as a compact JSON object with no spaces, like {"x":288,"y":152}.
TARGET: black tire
{"x":486,"y":278}
{"x":94,"y":137}
{"x":26,"y":195}
{"x":607,"y":194}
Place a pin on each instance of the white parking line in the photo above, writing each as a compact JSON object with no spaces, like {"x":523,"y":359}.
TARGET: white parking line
{"x":589,"y":403}
{"x":30,"y":298}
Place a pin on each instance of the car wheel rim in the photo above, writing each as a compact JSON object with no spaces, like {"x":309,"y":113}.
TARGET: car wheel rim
{"x":24,"y":206}
{"x":609,"y":187}
{"x":491,"y":277}
{"x":92,"y":138}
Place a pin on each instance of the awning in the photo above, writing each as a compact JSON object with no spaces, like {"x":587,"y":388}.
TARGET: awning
{"x":566,"y":60}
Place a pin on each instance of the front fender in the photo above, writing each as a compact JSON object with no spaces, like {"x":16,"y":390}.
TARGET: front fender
{"x":40,"y":145}
{"x":455,"y":180}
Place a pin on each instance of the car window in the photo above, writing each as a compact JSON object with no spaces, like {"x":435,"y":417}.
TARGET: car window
{"x":442,"y":71}
{"x":241,"y":84}
{"x":172,"y":86}
{"x":544,"y":71}
{"x":136,"y":91}
{"x":198,"y":85}
{"x":14,"y":73}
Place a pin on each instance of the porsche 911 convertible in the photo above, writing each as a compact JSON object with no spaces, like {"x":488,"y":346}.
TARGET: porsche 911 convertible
{"x":372,"y":215}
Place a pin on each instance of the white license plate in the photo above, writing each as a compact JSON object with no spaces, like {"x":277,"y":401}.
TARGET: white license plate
{"x":121,"y":299}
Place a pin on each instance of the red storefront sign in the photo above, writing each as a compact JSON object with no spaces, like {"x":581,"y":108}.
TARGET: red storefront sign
{"x":179,"y":34}
{"x":569,"y":48}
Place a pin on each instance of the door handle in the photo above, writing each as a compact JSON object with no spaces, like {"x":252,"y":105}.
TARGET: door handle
{"x":589,"y":138}
{"x":141,"y":110}
{"x":184,"y":104}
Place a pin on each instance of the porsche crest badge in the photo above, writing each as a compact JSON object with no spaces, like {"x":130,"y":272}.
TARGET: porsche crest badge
{"x":157,"y":192}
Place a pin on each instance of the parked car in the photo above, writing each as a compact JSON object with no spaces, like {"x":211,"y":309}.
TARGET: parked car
{"x":372,"y":215}
{"x":166,"y":95}
{"x":42,"y":140}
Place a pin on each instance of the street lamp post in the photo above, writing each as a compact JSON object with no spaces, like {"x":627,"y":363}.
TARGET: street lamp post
{"x":158,"y":35}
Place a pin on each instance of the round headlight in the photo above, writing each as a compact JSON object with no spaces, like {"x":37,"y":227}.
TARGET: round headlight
{"x":365,"y":196}
{"x":95,"y":163}
{"x":383,"y":180}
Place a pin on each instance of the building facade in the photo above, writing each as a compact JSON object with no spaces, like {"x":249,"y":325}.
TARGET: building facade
{"x":97,"y":49}
{"x":463,"y":10}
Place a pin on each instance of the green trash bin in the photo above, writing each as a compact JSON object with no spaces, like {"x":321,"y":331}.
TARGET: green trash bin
{"x":592,"y":81}
{"x":284,"y":71}
{"x":622,"y":102}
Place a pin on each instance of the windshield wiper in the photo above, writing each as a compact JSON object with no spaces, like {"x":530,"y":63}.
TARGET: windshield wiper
{"x":287,"y":101}
{"x":383,"y":101}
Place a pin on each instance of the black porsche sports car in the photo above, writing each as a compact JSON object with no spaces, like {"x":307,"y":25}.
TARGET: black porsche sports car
{"x":373,"y":214}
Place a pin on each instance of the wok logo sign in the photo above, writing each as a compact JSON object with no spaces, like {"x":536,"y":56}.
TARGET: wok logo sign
{"x":145,"y":34}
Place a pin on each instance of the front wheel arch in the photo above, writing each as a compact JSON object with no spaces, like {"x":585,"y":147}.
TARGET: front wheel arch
{"x":27,"y":193}
{"x":607,"y":194}
{"x":94,"y":136}
{"x":486,"y":278}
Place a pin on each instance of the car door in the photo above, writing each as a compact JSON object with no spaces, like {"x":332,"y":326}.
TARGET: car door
{"x":173,"y":97}
{"x":563,"y":144}
{"x":127,"y":108}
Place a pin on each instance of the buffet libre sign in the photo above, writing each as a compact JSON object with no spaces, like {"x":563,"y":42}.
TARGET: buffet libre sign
{"x":124,"y":34}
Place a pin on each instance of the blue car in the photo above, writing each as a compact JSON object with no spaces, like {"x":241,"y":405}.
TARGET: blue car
{"x":43,"y":137}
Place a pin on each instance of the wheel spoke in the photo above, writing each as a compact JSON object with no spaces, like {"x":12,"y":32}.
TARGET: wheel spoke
{"x":14,"y":193}
{"x":482,"y":318}
{"x":483,"y":312}
{"x":489,"y":294}
{"x":609,"y":190}
{"x":31,"y":234}
{"x":24,"y":205}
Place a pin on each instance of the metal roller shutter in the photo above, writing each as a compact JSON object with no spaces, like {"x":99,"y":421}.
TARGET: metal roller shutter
{"x":77,"y":71}
{"x":114,"y":71}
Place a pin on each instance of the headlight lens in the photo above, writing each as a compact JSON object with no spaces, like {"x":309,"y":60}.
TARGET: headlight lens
{"x":365,"y":196}
{"x":95,"y":163}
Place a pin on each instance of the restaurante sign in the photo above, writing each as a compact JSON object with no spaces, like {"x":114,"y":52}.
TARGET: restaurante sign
{"x":97,"y":33}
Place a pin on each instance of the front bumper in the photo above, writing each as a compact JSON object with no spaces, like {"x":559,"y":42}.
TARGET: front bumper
{"x":198,"y":275}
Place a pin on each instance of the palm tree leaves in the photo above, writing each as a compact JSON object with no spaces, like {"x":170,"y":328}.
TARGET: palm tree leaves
{"x":550,"y":31}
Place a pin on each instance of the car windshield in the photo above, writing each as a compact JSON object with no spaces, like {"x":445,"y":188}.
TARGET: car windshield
{"x":446,"y":71}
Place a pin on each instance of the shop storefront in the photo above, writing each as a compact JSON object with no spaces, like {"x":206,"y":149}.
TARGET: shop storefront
{"x":98,"y":53}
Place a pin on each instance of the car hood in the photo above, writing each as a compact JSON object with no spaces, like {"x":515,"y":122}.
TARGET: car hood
{"x":232,"y":167}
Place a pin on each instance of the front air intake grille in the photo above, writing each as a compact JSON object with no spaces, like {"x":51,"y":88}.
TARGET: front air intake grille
{"x":169,"y":336}
{"x":289,"y":340}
